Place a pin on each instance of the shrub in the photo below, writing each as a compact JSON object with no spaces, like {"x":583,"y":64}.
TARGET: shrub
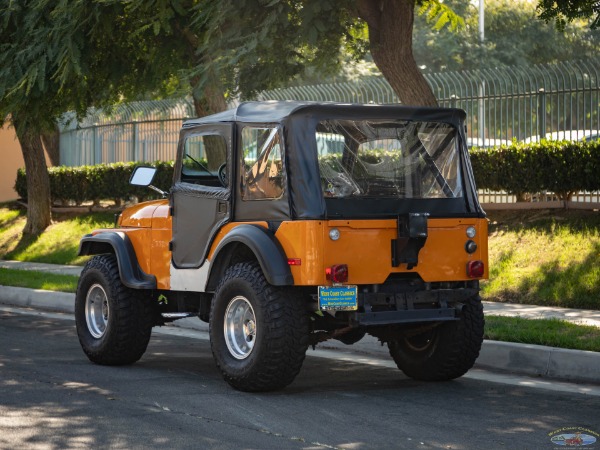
{"x":100,"y":182}
{"x":562,"y":167}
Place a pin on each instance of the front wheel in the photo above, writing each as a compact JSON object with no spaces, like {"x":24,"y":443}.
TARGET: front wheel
{"x":445,"y":352}
{"x":113,"y":322}
{"x":258,"y":332}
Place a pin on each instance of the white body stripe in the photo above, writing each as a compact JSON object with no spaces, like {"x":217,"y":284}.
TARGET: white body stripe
{"x":190,"y":279}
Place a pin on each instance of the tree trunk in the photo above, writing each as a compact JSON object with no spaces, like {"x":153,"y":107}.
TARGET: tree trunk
{"x":390,"y":25}
{"x":208,"y":98}
{"x":210,"y":101}
{"x":39,"y":214}
{"x":51,"y":140}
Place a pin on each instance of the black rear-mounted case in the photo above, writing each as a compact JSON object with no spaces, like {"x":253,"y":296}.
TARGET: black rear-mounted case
{"x":412,"y":234}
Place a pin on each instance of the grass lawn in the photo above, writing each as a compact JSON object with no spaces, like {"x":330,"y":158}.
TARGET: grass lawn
{"x":548,"y":257}
{"x":57,"y":245}
{"x":550,"y":332}
{"x":38,"y":280}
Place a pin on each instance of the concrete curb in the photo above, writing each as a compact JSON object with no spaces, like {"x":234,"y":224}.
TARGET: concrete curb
{"x":542,"y":361}
{"x":37,"y":298}
{"x":533,"y":360}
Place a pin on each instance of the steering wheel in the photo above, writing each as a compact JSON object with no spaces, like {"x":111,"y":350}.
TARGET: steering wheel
{"x":222,"y":175}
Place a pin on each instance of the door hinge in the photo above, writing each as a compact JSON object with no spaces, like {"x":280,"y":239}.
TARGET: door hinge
{"x":170,"y":246}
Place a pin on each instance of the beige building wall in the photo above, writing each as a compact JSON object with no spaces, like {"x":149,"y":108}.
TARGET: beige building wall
{"x":10,"y":160}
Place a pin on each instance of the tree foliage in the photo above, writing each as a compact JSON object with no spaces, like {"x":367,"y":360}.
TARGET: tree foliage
{"x":261,"y":44}
{"x":565,"y":11}
{"x":258,"y":44}
{"x":440,"y":15}
{"x":60,"y":56}
{"x":64,"y":55}
{"x":68,"y":55}
{"x":514,"y":35}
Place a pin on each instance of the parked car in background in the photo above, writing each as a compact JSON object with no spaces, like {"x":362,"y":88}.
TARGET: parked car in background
{"x":486,"y":143}
{"x":567,"y":135}
{"x":574,"y":135}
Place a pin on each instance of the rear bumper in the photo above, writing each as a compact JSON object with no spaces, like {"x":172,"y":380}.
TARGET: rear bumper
{"x":408,"y":316}
{"x":435,"y":305}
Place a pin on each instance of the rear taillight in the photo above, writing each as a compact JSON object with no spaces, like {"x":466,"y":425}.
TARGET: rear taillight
{"x":337,"y":273}
{"x":475,"y":269}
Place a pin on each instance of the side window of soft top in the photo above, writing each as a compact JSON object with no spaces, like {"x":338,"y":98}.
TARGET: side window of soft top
{"x":263,"y":174}
{"x":204,"y":156}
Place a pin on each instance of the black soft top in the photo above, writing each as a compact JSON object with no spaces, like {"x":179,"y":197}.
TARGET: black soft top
{"x":279,"y":111}
{"x":299,"y":121}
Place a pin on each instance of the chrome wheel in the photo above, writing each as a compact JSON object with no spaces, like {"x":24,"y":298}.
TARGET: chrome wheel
{"x":240,"y":327}
{"x":96,"y":310}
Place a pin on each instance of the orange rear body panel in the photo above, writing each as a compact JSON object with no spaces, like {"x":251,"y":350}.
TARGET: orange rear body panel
{"x":365,"y":246}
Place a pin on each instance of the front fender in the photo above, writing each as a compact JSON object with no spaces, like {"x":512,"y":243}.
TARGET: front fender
{"x":119,"y":244}
{"x":267,"y":249}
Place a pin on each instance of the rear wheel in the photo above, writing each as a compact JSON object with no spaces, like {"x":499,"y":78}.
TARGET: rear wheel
{"x":113,"y":322}
{"x":445,"y":352}
{"x":258,"y":332}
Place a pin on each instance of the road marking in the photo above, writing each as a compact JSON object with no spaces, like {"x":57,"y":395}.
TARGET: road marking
{"x":473,"y":374}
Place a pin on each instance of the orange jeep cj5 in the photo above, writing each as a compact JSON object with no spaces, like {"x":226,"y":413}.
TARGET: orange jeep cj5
{"x":290,"y":223}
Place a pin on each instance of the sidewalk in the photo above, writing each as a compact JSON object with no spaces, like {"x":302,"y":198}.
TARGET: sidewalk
{"x":526,"y":359}
{"x":42,"y":267}
{"x":578,"y":316}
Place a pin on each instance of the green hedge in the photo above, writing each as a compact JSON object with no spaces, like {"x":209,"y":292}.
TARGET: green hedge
{"x":100,"y":182}
{"x":562,"y":167}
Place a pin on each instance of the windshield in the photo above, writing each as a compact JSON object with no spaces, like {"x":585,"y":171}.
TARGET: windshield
{"x":399,"y":159}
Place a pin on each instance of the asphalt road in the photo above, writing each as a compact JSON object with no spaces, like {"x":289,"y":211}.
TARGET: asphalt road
{"x":52,"y":397}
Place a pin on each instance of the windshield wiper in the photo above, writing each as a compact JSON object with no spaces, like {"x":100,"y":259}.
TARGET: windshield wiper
{"x":199,"y":164}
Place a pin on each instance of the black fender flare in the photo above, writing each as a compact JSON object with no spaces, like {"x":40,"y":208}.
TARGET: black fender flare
{"x":119,"y":244}
{"x":265,"y":246}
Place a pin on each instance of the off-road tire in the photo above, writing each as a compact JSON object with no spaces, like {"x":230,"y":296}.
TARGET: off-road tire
{"x":281,"y":327}
{"x":447,"y":351}
{"x":125,"y":335}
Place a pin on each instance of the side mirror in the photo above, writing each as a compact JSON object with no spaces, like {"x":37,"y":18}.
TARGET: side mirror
{"x":142,"y":176}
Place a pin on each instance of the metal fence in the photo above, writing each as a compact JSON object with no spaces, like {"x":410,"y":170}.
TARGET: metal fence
{"x":150,"y":140}
{"x":502,"y":104}
{"x":139,"y":131}
{"x":523,"y":103}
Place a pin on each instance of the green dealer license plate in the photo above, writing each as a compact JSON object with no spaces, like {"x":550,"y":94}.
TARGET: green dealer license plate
{"x":338,"y":298}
